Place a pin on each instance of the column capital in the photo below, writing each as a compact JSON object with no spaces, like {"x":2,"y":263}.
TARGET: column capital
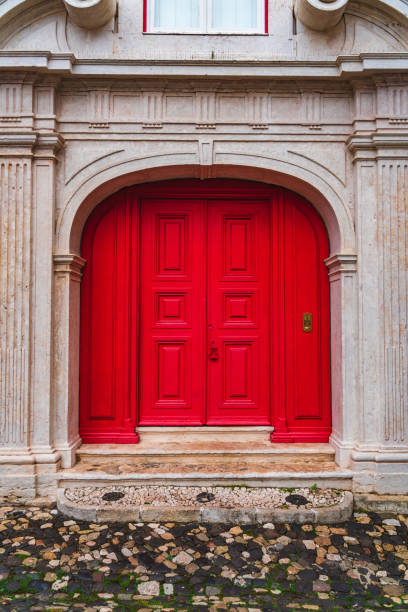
{"x":69,"y":263}
{"x":48,"y":145}
{"x":377,"y":145}
{"x":341,"y":263}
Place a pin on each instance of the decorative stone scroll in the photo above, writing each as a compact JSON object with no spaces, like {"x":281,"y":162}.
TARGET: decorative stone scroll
{"x":91,"y":14}
{"x":320,"y":14}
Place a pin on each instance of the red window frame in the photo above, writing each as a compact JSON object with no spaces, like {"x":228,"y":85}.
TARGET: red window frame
{"x":266,"y":16}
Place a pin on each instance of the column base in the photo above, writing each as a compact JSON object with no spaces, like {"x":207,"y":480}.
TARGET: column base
{"x":381,"y":471}
{"x":343,"y":451}
{"x":25,"y":474}
{"x":68,"y":452}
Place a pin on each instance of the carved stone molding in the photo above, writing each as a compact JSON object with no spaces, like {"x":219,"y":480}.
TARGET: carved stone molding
{"x":17,"y":144}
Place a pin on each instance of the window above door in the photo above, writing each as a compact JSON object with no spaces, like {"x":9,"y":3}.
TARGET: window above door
{"x":206,"y":16}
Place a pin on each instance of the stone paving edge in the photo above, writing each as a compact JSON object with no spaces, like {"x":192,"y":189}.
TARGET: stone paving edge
{"x":210,"y":514}
{"x":371,"y":502}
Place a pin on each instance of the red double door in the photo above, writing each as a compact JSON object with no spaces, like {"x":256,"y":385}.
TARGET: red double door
{"x":205,"y":304}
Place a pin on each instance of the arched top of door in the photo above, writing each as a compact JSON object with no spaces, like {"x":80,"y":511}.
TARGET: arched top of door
{"x":325,"y":194}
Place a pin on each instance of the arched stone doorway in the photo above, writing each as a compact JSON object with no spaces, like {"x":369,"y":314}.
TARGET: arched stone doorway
{"x":341,"y":264}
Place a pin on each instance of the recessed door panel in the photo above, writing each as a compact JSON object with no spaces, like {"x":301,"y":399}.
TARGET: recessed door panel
{"x":173,"y":373}
{"x":172,"y":237}
{"x":238,"y":320}
{"x":240,"y":363}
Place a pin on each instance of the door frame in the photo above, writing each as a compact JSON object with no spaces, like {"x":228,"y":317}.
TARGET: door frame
{"x":224,"y":190}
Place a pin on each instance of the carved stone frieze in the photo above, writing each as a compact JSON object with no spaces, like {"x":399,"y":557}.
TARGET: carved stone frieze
{"x":169,"y":106}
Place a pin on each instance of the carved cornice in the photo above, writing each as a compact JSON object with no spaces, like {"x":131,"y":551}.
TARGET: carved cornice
{"x":348,"y":66}
{"x":17,"y":144}
{"x":10,"y":139}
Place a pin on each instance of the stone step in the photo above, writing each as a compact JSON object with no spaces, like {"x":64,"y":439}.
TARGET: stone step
{"x":214,"y":470}
{"x":233,"y":433}
{"x":186,"y":450}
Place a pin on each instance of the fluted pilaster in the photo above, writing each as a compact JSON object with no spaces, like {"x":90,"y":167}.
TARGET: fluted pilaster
{"x":15,"y":288}
{"x":393,"y":255}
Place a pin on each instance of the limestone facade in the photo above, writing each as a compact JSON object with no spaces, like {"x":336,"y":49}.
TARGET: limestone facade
{"x":84,"y":113}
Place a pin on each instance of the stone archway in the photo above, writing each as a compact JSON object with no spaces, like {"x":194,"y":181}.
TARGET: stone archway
{"x":341,"y":263}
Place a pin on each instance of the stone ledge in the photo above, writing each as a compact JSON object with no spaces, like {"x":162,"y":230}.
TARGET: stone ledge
{"x":370,"y":502}
{"x":183,"y":514}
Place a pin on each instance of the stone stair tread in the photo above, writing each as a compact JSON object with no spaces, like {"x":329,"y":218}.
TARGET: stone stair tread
{"x":150,"y":447}
{"x":240,"y":466}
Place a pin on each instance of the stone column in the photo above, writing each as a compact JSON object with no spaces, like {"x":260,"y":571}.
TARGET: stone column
{"x":344,"y":355}
{"x":28,"y":461}
{"x":43,"y":222}
{"x":16,"y":463}
{"x":366,"y":194}
{"x":381,"y":162}
{"x":66,"y":355}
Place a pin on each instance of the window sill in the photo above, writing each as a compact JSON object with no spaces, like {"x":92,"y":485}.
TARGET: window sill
{"x":205,"y":33}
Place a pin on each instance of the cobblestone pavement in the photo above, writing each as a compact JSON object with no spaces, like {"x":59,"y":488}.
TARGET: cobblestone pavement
{"x":48,"y":562}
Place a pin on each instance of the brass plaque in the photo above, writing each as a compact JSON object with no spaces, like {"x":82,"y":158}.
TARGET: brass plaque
{"x":307,"y":322}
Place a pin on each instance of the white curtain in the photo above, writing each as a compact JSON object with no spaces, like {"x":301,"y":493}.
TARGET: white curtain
{"x":175,"y":15}
{"x":239,"y":15}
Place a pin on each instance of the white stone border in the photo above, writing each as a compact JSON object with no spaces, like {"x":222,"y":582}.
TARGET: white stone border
{"x":182,"y":514}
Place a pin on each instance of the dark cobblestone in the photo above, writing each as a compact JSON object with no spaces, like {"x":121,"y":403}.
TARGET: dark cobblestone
{"x":50,"y":563}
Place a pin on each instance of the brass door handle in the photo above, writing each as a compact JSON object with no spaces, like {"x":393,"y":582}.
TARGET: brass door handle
{"x":307,"y":322}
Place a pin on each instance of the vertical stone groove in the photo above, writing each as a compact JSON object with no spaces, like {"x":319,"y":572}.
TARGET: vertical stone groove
{"x":392,"y":234}
{"x":15,"y":256}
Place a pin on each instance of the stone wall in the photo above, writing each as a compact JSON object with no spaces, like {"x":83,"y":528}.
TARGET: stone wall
{"x":319,"y":113}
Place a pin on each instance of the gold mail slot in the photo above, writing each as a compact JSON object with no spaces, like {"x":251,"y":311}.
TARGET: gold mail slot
{"x":307,"y":322}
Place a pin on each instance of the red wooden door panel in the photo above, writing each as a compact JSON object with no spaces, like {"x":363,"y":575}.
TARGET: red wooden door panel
{"x":301,"y":358}
{"x":238,"y":313}
{"x":172,"y":366}
{"x":109,"y":332}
